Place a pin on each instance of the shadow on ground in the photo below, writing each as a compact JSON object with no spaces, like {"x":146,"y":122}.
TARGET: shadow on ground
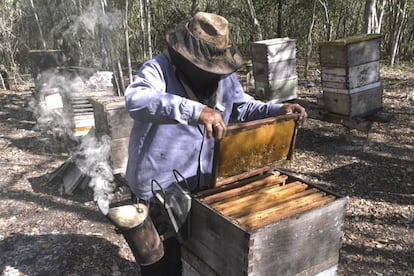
{"x":62,"y":255}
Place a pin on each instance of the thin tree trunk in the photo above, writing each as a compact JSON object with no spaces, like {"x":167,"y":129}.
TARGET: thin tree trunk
{"x":279,"y":18}
{"x":256,"y":25}
{"x":38,"y":25}
{"x":195,"y":7}
{"x":328,"y":23}
{"x":116,"y":80}
{"x":402,"y":13}
{"x":381,"y":16}
{"x":128,"y":54}
{"x":148,"y":9}
{"x":103,"y":5}
{"x":309,"y":42}
{"x":2,"y":82}
{"x":370,"y":17}
{"x":121,"y":78}
{"x":142,"y":25}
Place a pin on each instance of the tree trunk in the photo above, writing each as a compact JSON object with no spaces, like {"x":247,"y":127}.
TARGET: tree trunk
{"x":381,"y":16}
{"x":328,"y":23}
{"x":2,"y":82}
{"x":148,"y":10}
{"x":38,"y":25}
{"x":142,"y":26}
{"x":257,"y":31}
{"x":309,"y":42}
{"x":401,"y":16}
{"x":128,"y":54}
{"x":103,"y":5}
{"x":279,"y":18}
{"x":370,"y":17}
{"x":195,"y":7}
{"x":121,"y":79}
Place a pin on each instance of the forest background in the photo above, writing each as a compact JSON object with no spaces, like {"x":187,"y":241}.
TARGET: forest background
{"x":113,"y":34}
{"x":44,"y":231}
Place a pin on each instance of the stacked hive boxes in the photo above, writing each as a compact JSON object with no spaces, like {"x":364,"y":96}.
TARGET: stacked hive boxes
{"x":259,"y":221}
{"x":274,"y":69}
{"x":351,"y":75}
{"x":112,"y":119}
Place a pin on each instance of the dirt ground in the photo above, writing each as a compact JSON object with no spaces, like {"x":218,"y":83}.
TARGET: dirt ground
{"x":46,"y":232}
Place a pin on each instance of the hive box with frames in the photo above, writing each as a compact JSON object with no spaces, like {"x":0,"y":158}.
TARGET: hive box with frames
{"x":260,"y":220}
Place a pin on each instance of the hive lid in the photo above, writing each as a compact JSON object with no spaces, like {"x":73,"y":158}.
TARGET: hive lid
{"x":350,"y":40}
{"x":273,"y":41}
{"x":253,"y":148}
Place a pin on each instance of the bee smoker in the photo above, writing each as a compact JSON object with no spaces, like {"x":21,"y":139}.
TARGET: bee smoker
{"x":134,"y":223}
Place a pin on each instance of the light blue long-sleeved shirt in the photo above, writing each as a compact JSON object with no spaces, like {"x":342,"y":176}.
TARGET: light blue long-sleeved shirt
{"x":166,"y":134}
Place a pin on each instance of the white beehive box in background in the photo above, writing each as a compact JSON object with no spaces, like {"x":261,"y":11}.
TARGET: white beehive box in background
{"x":274,"y":69}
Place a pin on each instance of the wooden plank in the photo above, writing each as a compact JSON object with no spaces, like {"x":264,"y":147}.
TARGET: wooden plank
{"x":364,"y":74}
{"x":277,"y":90}
{"x":341,"y":42}
{"x":364,"y":52}
{"x":350,"y":51}
{"x":281,"y":70}
{"x":222,"y":181}
{"x":352,"y":77}
{"x":119,"y":123}
{"x":285,"y":196}
{"x":359,"y":104}
{"x":221,"y":244}
{"x":285,"y":247}
{"x":196,"y":265}
{"x":334,"y":74}
{"x":354,"y":90}
{"x":119,"y":154}
{"x":255,"y":185}
{"x":256,"y":195}
{"x":111,"y":117}
{"x":294,"y":210}
{"x":101,"y":123}
{"x":307,"y":242}
{"x":251,"y":220}
{"x":274,"y":50}
{"x":332,"y":56}
{"x":258,"y":200}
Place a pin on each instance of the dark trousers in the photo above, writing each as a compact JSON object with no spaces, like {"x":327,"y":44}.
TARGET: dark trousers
{"x":170,"y":264}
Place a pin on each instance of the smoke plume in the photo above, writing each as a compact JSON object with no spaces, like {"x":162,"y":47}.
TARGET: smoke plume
{"x":90,"y":40}
{"x":92,"y":158}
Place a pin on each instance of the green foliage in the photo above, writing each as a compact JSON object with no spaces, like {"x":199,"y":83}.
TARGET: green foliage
{"x":90,"y":31}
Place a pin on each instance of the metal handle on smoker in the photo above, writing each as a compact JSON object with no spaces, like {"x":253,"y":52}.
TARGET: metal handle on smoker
{"x":161,"y":189}
{"x":175,"y":172}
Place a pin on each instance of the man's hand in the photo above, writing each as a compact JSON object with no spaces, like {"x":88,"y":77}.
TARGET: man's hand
{"x":295,"y":108}
{"x":213,"y":121}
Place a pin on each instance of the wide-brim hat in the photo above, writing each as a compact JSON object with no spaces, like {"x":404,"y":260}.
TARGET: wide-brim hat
{"x":204,"y":40}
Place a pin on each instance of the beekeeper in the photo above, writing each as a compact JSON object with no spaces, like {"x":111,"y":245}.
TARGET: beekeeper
{"x":181,"y":101}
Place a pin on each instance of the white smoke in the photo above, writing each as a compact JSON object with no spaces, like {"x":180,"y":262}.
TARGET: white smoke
{"x":95,"y":17}
{"x":96,"y":32}
{"x":51,"y":105}
{"x":92,"y":158}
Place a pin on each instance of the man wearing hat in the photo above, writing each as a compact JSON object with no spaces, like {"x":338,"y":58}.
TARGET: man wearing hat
{"x":181,"y":101}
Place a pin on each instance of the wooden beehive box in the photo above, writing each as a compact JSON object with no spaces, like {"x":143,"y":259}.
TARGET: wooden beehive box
{"x":259,"y":220}
{"x":274,"y":69}
{"x":111,"y":118}
{"x":350,"y":70}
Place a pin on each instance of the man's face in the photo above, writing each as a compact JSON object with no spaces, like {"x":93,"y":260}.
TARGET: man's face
{"x":202,"y":82}
{"x":203,"y":77}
